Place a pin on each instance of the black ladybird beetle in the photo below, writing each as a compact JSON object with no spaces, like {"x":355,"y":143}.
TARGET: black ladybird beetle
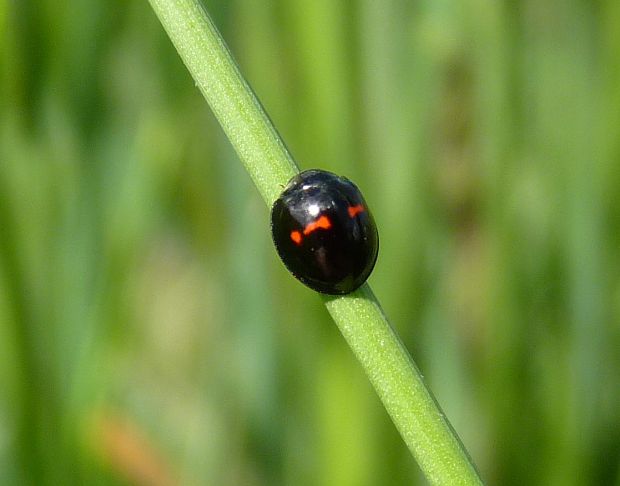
{"x":324,"y":232}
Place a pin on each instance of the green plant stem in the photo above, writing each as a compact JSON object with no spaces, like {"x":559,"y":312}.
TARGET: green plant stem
{"x":215,"y":72}
{"x":399,"y":384}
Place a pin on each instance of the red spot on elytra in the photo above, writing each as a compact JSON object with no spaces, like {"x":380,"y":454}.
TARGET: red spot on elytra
{"x":323,"y":223}
{"x":296,"y":237}
{"x":355,"y":210}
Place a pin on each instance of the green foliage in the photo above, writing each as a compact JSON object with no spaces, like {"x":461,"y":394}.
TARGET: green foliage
{"x":146,"y":326}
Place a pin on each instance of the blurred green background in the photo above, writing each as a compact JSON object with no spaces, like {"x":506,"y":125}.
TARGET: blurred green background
{"x":148,"y":333}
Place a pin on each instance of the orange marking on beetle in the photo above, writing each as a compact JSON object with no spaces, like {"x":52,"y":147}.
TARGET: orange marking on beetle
{"x":322,"y":223}
{"x":355,"y":210}
{"x":296,"y":237}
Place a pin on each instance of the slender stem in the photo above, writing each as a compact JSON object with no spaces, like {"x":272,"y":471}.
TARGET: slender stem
{"x":399,"y":384}
{"x":215,"y":72}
